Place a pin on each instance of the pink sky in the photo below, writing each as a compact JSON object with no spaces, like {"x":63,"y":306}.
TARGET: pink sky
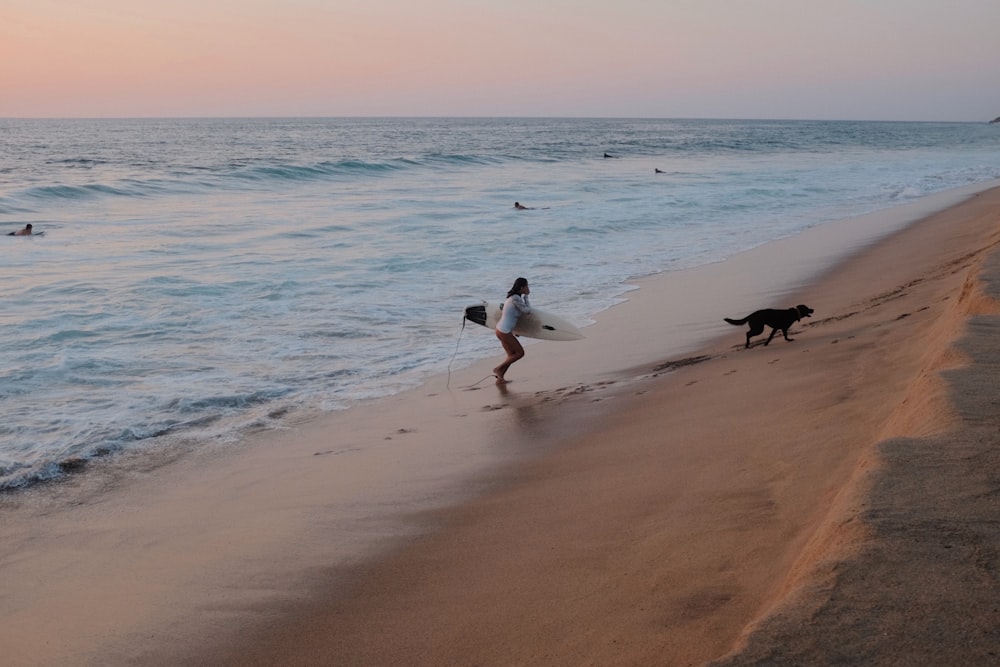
{"x":848,"y":59}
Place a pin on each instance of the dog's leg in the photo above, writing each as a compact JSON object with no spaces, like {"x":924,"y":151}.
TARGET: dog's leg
{"x":773,"y":331}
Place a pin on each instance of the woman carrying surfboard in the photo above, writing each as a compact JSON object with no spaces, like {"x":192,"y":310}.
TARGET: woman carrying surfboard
{"x":515,"y":306}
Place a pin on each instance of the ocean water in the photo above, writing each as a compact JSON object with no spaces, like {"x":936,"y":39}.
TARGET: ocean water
{"x":199,"y":277}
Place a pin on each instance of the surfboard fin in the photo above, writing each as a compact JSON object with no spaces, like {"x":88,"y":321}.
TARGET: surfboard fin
{"x":477,"y":314}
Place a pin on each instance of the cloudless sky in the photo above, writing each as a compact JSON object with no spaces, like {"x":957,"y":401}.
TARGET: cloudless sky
{"x":822,"y":59}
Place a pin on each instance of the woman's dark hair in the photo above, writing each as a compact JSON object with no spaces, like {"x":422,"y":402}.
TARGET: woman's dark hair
{"x":518,"y":286}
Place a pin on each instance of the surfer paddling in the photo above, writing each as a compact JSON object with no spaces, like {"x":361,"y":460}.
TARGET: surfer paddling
{"x":515,"y":306}
{"x":22,"y":232}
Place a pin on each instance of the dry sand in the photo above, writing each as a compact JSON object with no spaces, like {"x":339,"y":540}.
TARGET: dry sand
{"x":831,"y":500}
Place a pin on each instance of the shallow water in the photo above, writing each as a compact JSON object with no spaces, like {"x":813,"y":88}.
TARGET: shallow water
{"x":198,"y":277}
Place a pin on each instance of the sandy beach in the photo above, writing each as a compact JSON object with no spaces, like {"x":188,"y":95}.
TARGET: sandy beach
{"x":639,"y":498}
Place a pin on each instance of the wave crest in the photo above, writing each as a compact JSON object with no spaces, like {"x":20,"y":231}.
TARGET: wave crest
{"x":189,"y":180}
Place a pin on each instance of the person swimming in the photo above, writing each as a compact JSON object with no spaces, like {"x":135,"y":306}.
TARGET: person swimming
{"x":520,"y":207}
{"x":22,"y":232}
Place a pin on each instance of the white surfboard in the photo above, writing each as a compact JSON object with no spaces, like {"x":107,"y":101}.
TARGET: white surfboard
{"x":536,"y":324}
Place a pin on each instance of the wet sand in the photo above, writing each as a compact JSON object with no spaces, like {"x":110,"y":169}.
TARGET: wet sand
{"x":642,"y":498}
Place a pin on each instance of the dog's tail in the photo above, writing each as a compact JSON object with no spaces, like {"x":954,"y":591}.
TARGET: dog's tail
{"x":736,"y":322}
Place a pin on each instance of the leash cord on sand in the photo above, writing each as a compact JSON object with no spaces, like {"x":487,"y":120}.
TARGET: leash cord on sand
{"x":479,"y":381}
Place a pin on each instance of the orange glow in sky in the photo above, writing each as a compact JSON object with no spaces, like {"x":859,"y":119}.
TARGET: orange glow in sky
{"x":891,"y":59}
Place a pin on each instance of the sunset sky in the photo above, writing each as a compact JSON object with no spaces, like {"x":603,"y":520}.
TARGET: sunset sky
{"x":823,"y":59}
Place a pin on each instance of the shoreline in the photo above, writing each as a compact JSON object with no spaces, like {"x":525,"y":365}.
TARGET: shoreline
{"x":206,"y":533}
{"x":792,"y":260}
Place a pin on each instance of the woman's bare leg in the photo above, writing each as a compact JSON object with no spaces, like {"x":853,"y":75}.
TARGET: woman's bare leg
{"x":512,"y":346}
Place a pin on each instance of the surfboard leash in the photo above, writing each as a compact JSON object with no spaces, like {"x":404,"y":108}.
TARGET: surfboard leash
{"x":455,"y":353}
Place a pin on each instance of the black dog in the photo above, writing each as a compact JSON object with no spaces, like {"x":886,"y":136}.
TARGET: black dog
{"x":778,"y":320}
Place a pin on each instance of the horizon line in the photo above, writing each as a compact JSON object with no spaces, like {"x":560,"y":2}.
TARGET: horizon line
{"x":486,"y":117}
